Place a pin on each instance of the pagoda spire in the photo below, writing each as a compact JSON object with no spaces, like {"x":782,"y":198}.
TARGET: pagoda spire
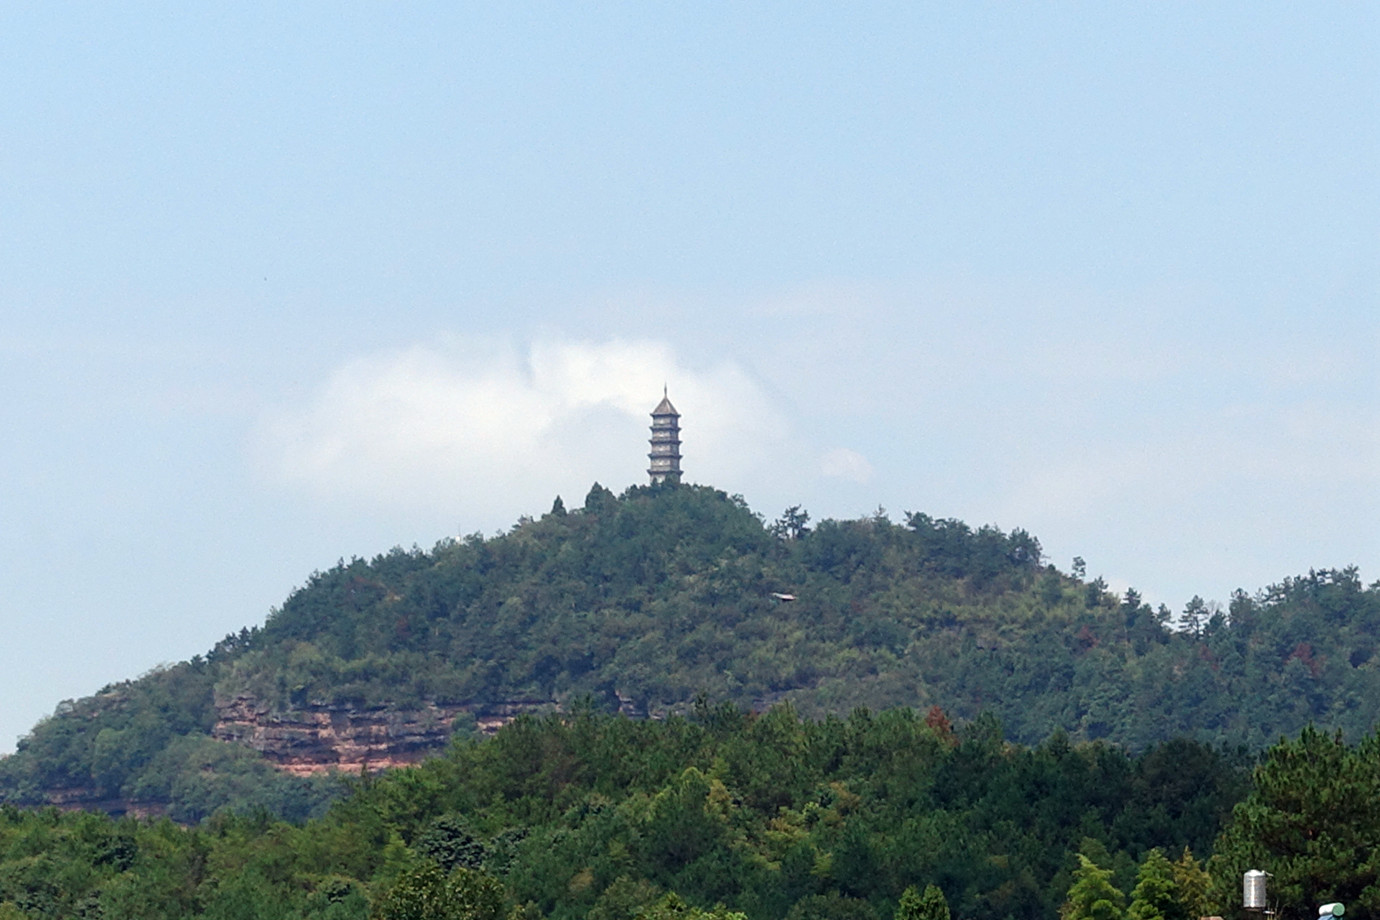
{"x":665,"y":454}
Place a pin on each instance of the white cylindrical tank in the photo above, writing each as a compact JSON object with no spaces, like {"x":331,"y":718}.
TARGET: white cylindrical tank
{"x":1253,"y":890}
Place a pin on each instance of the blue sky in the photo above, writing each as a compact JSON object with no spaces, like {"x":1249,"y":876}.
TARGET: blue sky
{"x":283,"y":284}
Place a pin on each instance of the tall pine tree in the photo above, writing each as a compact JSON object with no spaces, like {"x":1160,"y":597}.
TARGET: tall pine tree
{"x":1092,"y":896}
{"x":1156,"y":895}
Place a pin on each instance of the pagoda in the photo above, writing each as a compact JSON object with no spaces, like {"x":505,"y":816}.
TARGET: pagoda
{"x":665,"y":455}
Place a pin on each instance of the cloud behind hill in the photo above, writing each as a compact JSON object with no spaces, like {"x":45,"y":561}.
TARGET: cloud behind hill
{"x":506,"y":425}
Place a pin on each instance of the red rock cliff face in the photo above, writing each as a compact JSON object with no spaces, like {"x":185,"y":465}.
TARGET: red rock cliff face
{"x":320,"y":738}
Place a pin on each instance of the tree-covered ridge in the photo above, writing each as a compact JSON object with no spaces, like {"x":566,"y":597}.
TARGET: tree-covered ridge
{"x":657,"y":597}
{"x":650,"y":600}
{"x":668,"y":593}
{"x":592,"y":815}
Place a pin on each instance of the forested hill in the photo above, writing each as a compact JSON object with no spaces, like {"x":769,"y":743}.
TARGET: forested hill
{"x":647,"y":601}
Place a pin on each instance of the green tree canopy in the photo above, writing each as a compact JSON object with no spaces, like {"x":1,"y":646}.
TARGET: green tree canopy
{"x":426,"y":892}
{"x":1156,"y":895}
{"x":931,"y":905}
{"x":1092,"y":896}
{"x":1313,"y":822}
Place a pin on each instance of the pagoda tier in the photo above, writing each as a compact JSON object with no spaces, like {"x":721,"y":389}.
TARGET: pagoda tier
{"x":665,"y":453}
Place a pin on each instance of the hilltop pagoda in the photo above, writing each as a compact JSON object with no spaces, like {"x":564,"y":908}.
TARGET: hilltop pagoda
{"x":665,"y":455}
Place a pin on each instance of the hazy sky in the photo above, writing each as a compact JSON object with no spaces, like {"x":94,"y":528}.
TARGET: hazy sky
{"x":286,"y":283}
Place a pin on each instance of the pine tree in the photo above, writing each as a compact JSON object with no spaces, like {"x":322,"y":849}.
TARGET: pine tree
{"x":1092,"y":896}
{"x":1192,"y":880}
{"x":1156,"y":895}
{"x":932,"y":905}
{"x":1310,"y":823}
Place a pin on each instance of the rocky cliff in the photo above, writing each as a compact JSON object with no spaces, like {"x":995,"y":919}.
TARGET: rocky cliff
{"x":320,"y":738}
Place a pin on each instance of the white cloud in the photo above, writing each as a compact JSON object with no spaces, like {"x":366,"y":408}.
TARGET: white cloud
{"x":842,"y":463}
{"x":1167,"y":459}
{"x":492,"y":429}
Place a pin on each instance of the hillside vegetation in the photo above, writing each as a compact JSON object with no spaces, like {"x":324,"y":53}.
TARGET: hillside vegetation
{"x":649,"y":601}
{"x":592,"y":815}
{"x":726,"y":815}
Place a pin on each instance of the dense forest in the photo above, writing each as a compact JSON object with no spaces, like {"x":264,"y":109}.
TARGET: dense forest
{"x":646,"y":602}
{"x":729,"y":815}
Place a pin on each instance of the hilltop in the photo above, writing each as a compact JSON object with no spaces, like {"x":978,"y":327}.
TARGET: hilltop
{"x":646,"y":602}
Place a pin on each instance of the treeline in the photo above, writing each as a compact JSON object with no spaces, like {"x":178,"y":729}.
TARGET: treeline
{"x":599,"y":816}
{"x":667,"y":593}
{"x":727,"y":815}
{"x":649,"y":600}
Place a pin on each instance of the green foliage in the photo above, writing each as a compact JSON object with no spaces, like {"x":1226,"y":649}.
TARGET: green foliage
{"x":592,"y":815}
{"x":1310,"y":821}
{"x":928,"y":906}
{"x":618,"y":812}
{"x":649,"y":601}
{"x":428,"y":893}
{"x":909,"y":907}
{"x":449,"y":842}
{"x":1092,"y":896}
{"x":672,"y":907}
{"x":1156,"y":895}
{"x":627,"y":898}
{"x":831,"y":906}
{"x":1192,"y":882}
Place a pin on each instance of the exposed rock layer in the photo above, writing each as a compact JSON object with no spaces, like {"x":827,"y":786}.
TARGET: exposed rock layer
{"x":319,"y":738}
